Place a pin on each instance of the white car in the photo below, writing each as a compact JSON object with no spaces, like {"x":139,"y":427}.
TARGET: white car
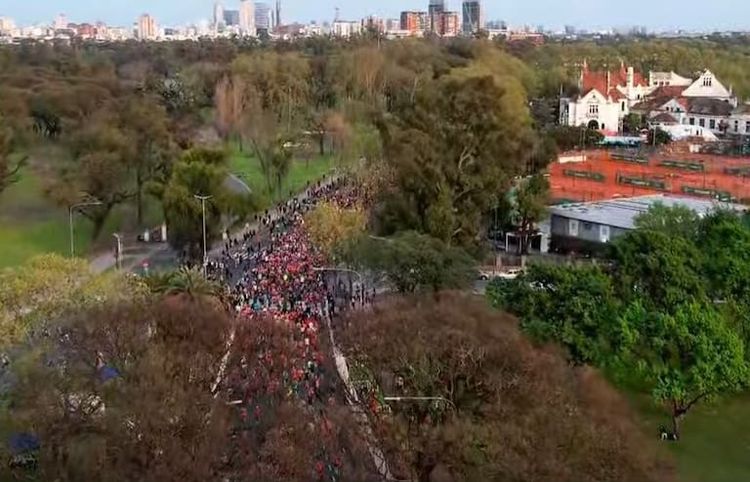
{"x":510,"y":274}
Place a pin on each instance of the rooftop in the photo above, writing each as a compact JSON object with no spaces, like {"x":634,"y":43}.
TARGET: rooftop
{"x":621,"y":213}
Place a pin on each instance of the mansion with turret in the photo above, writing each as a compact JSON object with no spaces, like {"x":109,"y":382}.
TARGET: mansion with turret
{"x":664,"y":99}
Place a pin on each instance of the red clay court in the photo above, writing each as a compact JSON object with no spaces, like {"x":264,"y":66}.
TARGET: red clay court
{"x":611,"y":174}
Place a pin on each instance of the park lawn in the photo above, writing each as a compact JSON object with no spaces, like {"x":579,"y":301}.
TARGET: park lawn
{"x":247,"y":167}
{"x":31,"y":225}
{"x":715,"y":443}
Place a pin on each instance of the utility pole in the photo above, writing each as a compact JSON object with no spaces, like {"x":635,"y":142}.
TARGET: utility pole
{"x":203,"y":200}
{"x":71,"y":211}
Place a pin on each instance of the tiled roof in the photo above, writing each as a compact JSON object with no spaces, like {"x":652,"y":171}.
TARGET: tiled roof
{"x":664,"y":117}
{"x":598,"y":80}
{"x":668,"y":91}
{"x":708,"y":106}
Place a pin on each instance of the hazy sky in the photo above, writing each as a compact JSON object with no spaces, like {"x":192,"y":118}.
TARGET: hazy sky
{"x":717,"y":14}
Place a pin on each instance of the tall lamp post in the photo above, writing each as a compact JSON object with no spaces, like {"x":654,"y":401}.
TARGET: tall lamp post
{"x":203,"y":200}
{"x":71,"y":211}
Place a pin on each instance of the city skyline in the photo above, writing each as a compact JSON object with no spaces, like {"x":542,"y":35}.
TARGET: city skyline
{"x":588,"y":14}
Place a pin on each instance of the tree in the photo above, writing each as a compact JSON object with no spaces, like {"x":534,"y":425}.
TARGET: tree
{"x":568,"y":138}
{"x":659,"y":137}
{"x":670,"y":220}
{"x":499,"y":410}
{"x":146,"y":124}
{"x":200,"y":172}
{"x":330,"y":225}
{"x":186,"y":282}
{"x":633,"y":124}
{"x":123,"y":392}
{"x":99,"y":169}
{"x":412,"y":262}
{"x":687,"y":357}
{"x":48,"y":286}
{"x":532,"y":198}
{"x":573,"y":306}
{"x":726,"y":238}
{"x":11,"y":162}
{"x":663,"y":272}
{"x":460,"y":142}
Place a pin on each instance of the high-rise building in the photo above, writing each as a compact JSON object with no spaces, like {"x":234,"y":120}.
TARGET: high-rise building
{"x":147,"y":29}
{"x":414,"y":22}
{"x":247,"y":18}
{"x":218,"y":14}
{"x":61,"y":22}
{"x":434,"y":10}
{"x":473,"y":17}
{"x":262,"y":17}
{"x":232,"y":18}
{"x":7,"y":25}
{"x":449,"y":25}
{"x":278,"y":13}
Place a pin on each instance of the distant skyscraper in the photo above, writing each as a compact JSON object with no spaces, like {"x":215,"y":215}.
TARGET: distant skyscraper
{"x":7,"y":25}
{"x":232,"y":18}
{"x":147,"y":29}
{"x":434,"y":10}
{"x":414,"y":22}
{"x":473,"y":17}
{"x":218,"y":14}
{"x":61,"y":22}
{"x":449,"y":25}
{"x":278,"y":12}
{"x":262,"y":17}
{"x":247,"y":18}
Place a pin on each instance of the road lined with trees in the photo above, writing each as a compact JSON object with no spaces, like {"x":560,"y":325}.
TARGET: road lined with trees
{"x":179,"y":377}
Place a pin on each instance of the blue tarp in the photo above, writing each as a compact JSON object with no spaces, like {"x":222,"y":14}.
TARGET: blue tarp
{"x":21,"y":443}
{"x":107,"y":373}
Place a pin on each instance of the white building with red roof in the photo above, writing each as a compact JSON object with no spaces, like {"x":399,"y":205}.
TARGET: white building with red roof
{"x":663,"y":99}
{"x":605,"y":99}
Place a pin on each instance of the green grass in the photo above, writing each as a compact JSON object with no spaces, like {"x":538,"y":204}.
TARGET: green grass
{"x":247,"y":168}
{"x":715,"y":443}
{"x":31,"y":225}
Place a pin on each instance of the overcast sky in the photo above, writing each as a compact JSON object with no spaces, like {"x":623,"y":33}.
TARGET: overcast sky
{"x":659,"y":14}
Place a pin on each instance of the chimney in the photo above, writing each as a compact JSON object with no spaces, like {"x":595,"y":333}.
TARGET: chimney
{"x":631,"y":76}
{"x":609,"y":83}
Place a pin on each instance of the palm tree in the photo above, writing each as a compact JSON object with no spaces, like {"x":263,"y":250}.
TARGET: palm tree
{"x":185,"y":282}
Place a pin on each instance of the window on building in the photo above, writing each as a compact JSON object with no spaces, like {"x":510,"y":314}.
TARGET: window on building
{"x":702,"y":122}
{"x":712,"y":124}
{"x":587,"y":226}
{"x":747,"y":127}
{"x":692,"y":121}
{"x":623,"y":106}
{"x":573,"y":227}
{"x":594,"y":109}
{"x":736,"y":126}
{"x":604,"y":234}
{"x":708,"y":82}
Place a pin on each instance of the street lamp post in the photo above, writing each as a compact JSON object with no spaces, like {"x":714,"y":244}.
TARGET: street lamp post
{"x":203,"y":200}
{"x":71,"y":211}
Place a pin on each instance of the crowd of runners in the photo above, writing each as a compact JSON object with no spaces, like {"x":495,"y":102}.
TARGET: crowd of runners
{"x":274,"y":272}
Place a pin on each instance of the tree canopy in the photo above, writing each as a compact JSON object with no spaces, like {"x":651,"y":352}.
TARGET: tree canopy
{"x":497,"y":408}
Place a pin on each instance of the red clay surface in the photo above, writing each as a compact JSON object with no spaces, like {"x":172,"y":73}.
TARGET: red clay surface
{"x":713,"y":178}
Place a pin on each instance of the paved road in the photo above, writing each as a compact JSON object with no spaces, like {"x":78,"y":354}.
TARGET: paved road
{"x":157,"y":255}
